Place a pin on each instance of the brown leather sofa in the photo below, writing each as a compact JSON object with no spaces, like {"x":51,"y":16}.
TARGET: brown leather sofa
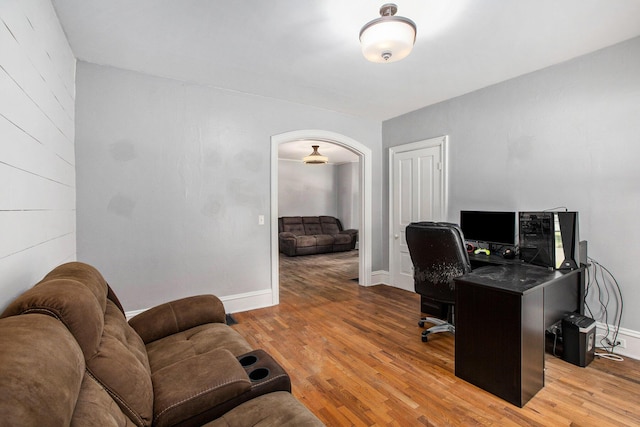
{"x":306,"y":235}
{"x":69,"y":357}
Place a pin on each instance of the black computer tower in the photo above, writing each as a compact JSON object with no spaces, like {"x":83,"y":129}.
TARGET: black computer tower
{"x":549,"y":239}
{"x":578,"y":338}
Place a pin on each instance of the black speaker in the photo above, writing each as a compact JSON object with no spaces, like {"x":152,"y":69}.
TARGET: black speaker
{"x":566,"y":223}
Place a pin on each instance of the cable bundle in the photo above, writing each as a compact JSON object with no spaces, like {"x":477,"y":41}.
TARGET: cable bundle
{"x":602,"y":281}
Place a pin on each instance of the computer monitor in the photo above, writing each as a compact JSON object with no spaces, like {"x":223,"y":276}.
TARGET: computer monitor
{"x":498,"y":228}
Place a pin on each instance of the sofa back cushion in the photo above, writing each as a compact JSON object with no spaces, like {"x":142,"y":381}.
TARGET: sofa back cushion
{"x":41,"y":370}
{"x":76,"y":294}
{"x":121,"y":366}
{"x":293,"y":224}
{"x":77,"y":306}
{"x":95,"y":407}
{"x":330,"y":225}
{"x":311,"y":225}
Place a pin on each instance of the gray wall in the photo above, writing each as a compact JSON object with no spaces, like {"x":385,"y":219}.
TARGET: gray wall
{"x":37,"y":172}
{"x":319,"y":190}
{"x":568,"y":135}
{"x":306,"y":190}
{"x":172,"y":178}
{"x":348,"y":191}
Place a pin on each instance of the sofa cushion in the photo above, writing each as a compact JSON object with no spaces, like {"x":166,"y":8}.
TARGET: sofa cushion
{"x":324,"y":240}
{"x":78,"y":307}
{"x":259,"y":411}
{"x":342,"y":239}
{"x":329,"y":225}
{"x":177,"y":316}
{"x":95,"y":407}
{"x":41,"y":370}
{"x":305,"y":241}
{"x":311,"y":225}
{"x":86,"y":274}
{"x":216,"y":377}
{"x":194,"y":341}
{"x":76,"y":294}
{"x":330,"y":228}
{"x":121,"y":366}
{"x":293,"y":224}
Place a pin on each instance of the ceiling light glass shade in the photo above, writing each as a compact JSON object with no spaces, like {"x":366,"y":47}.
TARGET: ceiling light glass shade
{"x":315,"y":158}
{"x":388,"y":38}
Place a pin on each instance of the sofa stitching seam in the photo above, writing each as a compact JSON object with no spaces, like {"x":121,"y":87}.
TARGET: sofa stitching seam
{"x":175,"y":318}
{"x":274,"y":378}
{"x":55,"y":315}
{"x":193,"y":396}
{"x":115,"y":396}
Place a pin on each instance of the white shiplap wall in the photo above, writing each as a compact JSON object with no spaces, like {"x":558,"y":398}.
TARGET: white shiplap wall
{"x":37,"y":156}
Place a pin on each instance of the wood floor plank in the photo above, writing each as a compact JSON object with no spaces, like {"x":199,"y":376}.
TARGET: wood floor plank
{"x":355,"y":357}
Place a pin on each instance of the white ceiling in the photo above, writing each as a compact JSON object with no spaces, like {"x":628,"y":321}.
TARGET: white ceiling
{"x":307,"y":51}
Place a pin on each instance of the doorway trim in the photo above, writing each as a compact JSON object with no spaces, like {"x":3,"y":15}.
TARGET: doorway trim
{"x":364,"y":234}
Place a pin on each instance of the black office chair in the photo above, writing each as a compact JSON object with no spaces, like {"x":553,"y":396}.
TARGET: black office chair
{"x":439,"y":255}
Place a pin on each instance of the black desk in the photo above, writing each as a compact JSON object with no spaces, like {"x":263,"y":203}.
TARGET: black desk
{"x":502,"y":312}
{"x":481,"y":260}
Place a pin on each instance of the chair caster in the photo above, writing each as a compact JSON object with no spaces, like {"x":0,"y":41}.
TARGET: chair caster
{"x":425,"y":336}
{"x":421,"y":323}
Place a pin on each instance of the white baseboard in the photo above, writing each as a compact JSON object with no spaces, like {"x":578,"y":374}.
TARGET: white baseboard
{"x":263,"y":298}
{"x":130,"y":314}
{"x":630,"y":338}
{"x":234,"y":303}
{"x":384,"y":278}
{"x":380,"y":277}
{"x":247,"y":301}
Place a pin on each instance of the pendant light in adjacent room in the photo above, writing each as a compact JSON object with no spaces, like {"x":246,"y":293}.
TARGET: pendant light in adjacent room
{"x":315,"y":158}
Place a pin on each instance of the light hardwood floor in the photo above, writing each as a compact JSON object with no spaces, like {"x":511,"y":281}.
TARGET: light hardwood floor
{"x":355,"y":357}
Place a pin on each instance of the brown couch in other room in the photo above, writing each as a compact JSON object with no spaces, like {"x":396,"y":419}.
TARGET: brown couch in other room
{"x":68,"y":356}
{"x":306,"y":235}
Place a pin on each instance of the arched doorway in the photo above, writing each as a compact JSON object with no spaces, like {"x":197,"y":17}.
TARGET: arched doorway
{"x":364,"y":154}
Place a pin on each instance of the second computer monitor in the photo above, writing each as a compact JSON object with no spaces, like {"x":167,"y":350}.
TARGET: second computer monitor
{"x":492,"y":227}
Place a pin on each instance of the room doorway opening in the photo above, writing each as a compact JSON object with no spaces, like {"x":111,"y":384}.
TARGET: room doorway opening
{"x":365,"y":179}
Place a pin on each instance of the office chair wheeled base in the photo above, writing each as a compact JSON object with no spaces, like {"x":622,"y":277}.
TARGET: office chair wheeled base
{"x":440,"y":326}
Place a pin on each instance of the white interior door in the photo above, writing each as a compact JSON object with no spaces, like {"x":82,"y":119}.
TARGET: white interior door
{"x":417,"y":194}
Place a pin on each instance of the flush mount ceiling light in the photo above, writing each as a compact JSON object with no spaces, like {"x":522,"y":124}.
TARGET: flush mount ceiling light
{"x":388,"y":38}
{"x":315,"y":158}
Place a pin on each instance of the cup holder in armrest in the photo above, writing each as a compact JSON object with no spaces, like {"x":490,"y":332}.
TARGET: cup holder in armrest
{"x":248,"y":360}
{"x":259,"y":374}
{"x":266,"y":374}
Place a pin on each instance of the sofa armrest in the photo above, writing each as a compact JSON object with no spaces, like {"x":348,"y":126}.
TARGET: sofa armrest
{"x":177,"y":316}
{"x":195,"y":385}
{"x":288,"y":243}
{"x":352,"y":232}
{"x":349,"y":231}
